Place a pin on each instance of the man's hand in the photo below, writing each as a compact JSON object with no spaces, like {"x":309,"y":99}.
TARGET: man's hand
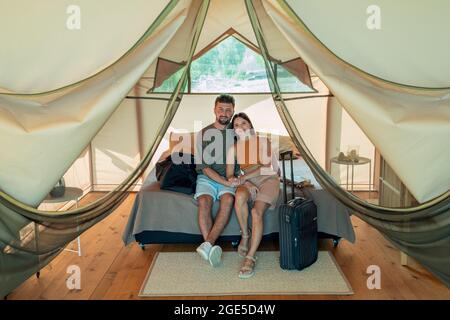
{"x":234,"y":182}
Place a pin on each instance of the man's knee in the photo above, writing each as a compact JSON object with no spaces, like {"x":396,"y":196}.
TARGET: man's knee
{"x":205,"y":202}
{"x":227,"y":200}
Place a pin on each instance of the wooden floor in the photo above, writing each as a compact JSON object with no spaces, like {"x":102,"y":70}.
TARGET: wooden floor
{"x":109,"y":270}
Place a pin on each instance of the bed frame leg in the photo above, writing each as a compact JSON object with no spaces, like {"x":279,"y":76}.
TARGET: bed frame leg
{"x":403,"y":258}
{"x":142,"y":246}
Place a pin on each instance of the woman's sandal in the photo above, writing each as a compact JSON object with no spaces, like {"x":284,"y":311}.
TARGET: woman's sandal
{"x":248,"y":268}
{"x":242,"y":250}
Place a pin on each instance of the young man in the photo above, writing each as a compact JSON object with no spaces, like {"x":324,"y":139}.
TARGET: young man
{"x":212,"y":144}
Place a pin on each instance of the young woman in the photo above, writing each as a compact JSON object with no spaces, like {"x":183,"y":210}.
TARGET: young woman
{"x":258,"y":182}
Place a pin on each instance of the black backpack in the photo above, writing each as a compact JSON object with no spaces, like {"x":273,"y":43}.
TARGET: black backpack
{"x":178,"y":177}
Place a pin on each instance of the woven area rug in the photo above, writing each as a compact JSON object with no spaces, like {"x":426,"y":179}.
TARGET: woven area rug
{"x":186,"y":274}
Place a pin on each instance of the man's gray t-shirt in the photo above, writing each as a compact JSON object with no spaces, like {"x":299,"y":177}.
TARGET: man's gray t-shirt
{"x":214,"y":152}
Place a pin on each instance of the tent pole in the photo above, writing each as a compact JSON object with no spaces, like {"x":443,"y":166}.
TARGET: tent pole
{"x":138,"y":107}
{"x":91,"y":166}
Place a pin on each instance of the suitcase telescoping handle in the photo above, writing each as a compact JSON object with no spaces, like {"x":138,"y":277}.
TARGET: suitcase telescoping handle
{"x":283,"y":158}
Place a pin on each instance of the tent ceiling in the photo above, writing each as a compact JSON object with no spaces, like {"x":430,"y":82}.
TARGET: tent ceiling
{"x":222,"y":18}
{"x":223,"y":15}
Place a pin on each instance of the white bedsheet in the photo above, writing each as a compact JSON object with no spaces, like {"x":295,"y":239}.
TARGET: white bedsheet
{"x":301,"y":172}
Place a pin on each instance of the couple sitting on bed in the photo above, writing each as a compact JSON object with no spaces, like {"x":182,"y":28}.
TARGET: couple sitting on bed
{"x":233,"y":166}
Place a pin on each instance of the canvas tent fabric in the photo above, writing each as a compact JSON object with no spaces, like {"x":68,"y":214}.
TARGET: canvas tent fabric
{"x":58,"y":49}
{"x":422,"y":232}
{"x":409,"y":48}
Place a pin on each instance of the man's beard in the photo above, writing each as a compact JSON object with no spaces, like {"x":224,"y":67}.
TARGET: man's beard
{"x":224,"y":121}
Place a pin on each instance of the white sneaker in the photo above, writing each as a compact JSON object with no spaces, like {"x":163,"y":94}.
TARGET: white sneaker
{"x":204,"y":249}
{"x":215,"y":256}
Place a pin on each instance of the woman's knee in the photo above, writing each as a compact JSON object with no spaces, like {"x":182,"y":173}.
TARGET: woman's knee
{"x":257,"y":214}
{"x":226,"y":200}
{"x":240,"y":198}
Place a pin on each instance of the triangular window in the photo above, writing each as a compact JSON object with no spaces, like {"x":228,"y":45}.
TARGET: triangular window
{"x":232,"y":67}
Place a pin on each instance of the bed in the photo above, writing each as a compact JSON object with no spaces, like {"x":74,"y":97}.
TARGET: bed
{"x":160,"y":216}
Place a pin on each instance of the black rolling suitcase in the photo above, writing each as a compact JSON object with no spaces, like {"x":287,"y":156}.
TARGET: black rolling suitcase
{"x":298,"y":228}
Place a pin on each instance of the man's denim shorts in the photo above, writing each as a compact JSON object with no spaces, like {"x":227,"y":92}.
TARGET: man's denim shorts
{"x":210,"y":187}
